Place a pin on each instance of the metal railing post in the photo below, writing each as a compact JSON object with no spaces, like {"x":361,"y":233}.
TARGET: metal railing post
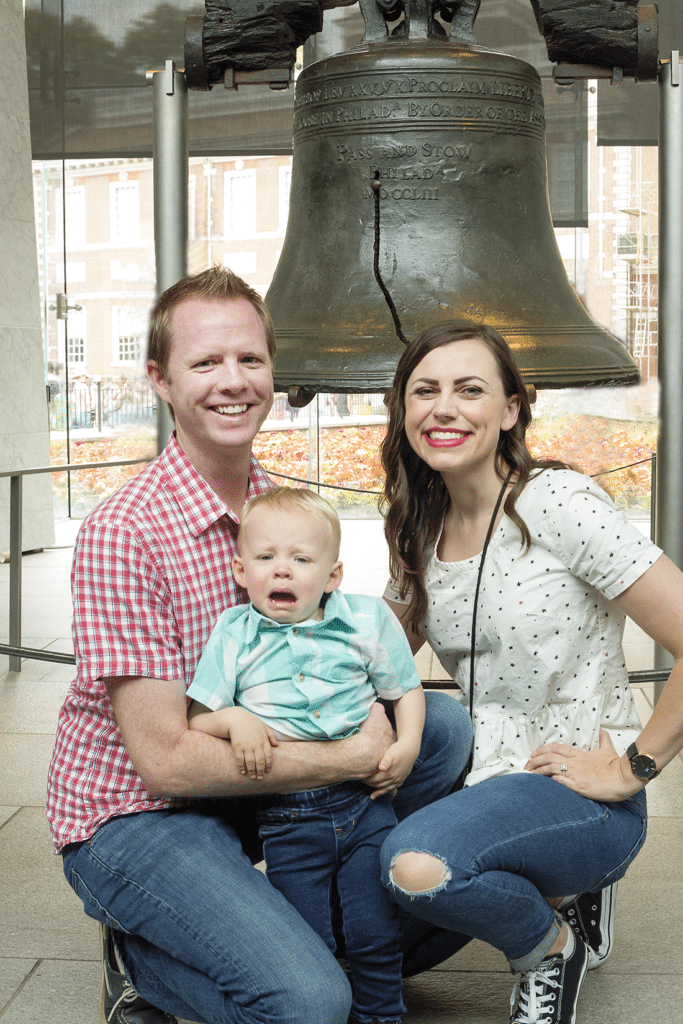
{"x":653,"y":497}
{"x":15,"y":529}
{"x":170,"y":171}
{"x":669,"y":499}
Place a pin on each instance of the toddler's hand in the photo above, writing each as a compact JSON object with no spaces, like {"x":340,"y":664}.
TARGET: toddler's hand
{"x":394,"y":768}
{"x":252,"y":742}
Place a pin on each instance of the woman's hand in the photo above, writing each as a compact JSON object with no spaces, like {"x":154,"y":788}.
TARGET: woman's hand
{"x":598,"y":774}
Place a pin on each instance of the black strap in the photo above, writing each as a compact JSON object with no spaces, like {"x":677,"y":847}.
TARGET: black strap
{"x":489,"y":534}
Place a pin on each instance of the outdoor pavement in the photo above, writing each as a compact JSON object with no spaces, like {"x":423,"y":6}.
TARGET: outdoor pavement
{"x":49,"y":956}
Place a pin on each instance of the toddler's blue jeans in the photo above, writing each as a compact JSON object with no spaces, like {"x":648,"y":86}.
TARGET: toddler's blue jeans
{"x":325,"y":843}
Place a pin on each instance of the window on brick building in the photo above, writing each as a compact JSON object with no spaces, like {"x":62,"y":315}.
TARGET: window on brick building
{"x":124,"y":211}
{"x":240,"y":203}
{"x":128,"y":335}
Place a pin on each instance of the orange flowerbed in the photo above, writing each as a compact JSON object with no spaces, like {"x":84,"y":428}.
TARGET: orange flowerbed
{"x":347,"y":457}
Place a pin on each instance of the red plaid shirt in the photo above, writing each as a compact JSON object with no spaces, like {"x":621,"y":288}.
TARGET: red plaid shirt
{"x":150,"y":576}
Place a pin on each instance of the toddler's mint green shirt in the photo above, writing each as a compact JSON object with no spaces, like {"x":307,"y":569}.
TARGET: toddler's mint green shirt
{"x":307,"y":680}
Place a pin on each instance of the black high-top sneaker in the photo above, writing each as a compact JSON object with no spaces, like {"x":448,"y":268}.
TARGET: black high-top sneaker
{"x":591,"y":916}
{"x":548,"y":994}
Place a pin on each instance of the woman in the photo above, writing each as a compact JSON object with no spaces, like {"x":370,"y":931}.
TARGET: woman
{"x":554,"y":804}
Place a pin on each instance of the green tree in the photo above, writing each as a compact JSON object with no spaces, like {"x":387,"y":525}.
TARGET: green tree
{"x":157,"y":36}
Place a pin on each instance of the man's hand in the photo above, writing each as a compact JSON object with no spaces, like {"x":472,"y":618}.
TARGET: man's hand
{"x":372,"y":741}
{"x":374,"y":738}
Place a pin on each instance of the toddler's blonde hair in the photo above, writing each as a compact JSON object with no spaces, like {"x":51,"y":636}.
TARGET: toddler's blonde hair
{"x":296,"y":499}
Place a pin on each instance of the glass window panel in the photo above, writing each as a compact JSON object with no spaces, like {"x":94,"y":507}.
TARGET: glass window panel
{"x":113,"y":121}
{"x":88,"y":93}
{"x":192,"y":207}
{"x":241,"y":263}
{"x":76,"y":350}
{"x":75,"y":272}
{"x":628,"y":113}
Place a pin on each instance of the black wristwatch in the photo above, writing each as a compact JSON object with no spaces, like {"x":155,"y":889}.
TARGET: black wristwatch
{"x":642,"y":765}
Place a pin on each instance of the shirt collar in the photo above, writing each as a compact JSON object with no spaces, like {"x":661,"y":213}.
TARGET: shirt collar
{"x":199,"y":504}
{"x":337,"y":616}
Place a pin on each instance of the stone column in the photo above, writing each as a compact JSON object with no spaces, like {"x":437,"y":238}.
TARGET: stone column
{"x":24,"y":439}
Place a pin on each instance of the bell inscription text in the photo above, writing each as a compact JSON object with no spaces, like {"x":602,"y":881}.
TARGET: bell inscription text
{"x":416,"y":132}
{"x":333,"y":103}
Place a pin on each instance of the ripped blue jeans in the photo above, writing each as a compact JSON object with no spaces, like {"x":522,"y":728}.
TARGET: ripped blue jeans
{"x":505,"y":845}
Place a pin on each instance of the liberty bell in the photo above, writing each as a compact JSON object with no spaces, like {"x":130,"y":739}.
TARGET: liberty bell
{"x":422,"y":156}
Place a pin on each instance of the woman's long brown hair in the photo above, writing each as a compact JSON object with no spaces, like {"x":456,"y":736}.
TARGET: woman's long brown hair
{"x":415,"y":498}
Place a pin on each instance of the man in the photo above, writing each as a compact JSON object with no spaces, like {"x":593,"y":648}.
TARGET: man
{"x":150,"y":817}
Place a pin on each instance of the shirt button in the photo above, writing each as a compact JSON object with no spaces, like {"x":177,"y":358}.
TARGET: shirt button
{"x":316,"y":714}
{"x":301,"y":677}
{"x":296,"y":632}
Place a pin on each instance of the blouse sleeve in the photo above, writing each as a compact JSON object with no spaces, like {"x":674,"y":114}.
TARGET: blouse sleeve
{"x":596,"y":542}
{"x":391,"y":594}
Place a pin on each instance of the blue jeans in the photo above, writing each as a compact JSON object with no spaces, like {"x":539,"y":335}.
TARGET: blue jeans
{"x":325,"y":843}
{"x":205,"y":936}
{"x":506,"y":844}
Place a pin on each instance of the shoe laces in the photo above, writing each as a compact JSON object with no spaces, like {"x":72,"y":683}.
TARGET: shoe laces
{"x":128,"y":996}
{"x":536,"y":995}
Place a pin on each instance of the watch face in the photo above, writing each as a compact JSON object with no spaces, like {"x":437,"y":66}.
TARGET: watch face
{"x":643,"y":766}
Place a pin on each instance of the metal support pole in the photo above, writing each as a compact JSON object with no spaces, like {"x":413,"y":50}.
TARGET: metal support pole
{"x":670,"y":358}
{"x":15,"y":513}
{"x":170,"y":193}
{"x":653,"y":497}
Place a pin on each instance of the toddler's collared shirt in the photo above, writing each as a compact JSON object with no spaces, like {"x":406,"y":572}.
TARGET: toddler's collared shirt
{"x":312,"y":679}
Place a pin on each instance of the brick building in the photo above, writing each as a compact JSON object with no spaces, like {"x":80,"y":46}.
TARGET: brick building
{"x":95,"y":228}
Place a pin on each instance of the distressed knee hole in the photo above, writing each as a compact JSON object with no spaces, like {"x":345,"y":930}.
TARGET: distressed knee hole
{"x":418,"y":873}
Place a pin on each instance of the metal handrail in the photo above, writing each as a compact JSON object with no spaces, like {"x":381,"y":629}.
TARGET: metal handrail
{"x":35,"y":655}
{"x":16,"y":652}
{"x":14,"y":648}
{"x":67,"y":466}
{"x":648,"y":675}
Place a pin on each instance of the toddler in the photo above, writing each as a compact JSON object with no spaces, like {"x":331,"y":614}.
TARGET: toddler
{"x":304,"y":662}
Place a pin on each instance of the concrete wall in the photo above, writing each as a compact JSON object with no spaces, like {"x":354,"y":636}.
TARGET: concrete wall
{"x":23,"y":407}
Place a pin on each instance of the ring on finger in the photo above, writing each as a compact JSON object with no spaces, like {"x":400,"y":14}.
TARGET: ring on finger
{"x":563,"y":769}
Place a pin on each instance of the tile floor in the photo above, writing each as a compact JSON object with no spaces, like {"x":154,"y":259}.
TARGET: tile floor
{"x":49,"y":966}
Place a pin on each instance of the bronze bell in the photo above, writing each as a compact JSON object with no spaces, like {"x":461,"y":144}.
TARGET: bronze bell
{"x":452,"y":136}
